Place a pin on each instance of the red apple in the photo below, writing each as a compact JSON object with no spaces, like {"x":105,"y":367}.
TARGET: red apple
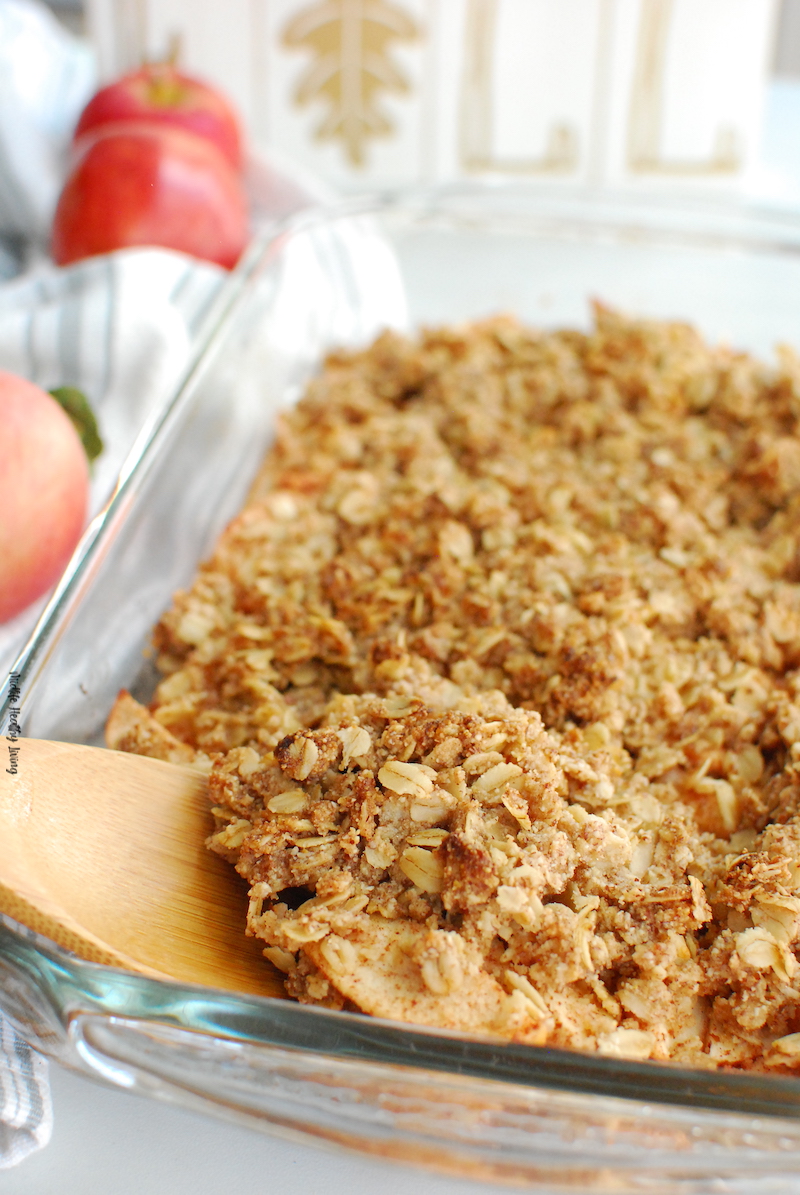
{"x":143,"y":184}
{"x":44,"y":491}
{"x":162,"y":94}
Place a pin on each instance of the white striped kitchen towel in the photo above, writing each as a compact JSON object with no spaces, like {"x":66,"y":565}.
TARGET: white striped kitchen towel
{"x":119,"y":327}
{"x":26,"y":1112}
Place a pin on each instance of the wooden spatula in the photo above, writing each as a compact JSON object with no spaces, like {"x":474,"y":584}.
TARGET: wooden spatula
{"x":104,"y":853}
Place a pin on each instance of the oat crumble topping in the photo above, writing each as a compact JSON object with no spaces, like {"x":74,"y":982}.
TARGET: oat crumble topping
{"x":497,"y":676}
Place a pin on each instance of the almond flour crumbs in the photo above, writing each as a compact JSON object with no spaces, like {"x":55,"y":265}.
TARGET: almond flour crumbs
{"x":497,"y":677}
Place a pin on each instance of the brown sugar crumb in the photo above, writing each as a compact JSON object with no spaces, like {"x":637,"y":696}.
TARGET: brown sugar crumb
{"x":499,"y":671}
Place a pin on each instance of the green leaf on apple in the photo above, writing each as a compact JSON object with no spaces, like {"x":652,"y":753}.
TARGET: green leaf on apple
{"x":76,"y":405}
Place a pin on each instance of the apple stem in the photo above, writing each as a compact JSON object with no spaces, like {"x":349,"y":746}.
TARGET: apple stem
{"x":174,"y":48}
{"x":164,"y":89}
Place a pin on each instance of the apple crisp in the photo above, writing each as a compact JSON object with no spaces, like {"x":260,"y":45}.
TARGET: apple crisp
{"x":497,"y":676}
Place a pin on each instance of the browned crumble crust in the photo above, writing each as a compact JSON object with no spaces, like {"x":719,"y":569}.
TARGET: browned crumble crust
{"x":498,"y":671}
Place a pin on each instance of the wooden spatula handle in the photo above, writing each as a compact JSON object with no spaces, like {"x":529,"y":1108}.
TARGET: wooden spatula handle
{"x":105,"y":853}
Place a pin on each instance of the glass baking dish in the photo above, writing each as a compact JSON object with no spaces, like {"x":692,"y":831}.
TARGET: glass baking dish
{"x":545,"y":1118}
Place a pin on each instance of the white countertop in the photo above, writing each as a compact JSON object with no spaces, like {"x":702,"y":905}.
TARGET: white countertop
{"x":109,"y":1142}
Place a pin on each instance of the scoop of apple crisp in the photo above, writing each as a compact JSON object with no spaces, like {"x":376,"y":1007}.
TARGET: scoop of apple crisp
{"x":496,"y":676}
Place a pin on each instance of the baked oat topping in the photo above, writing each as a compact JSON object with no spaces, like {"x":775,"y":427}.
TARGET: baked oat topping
{"x":498,"y":679}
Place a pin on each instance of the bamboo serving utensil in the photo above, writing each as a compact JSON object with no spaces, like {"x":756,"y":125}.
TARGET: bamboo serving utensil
{"x":103,"y":852}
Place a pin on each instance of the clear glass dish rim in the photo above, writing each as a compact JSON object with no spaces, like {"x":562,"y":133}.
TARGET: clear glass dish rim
{"x":72,"y":986}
